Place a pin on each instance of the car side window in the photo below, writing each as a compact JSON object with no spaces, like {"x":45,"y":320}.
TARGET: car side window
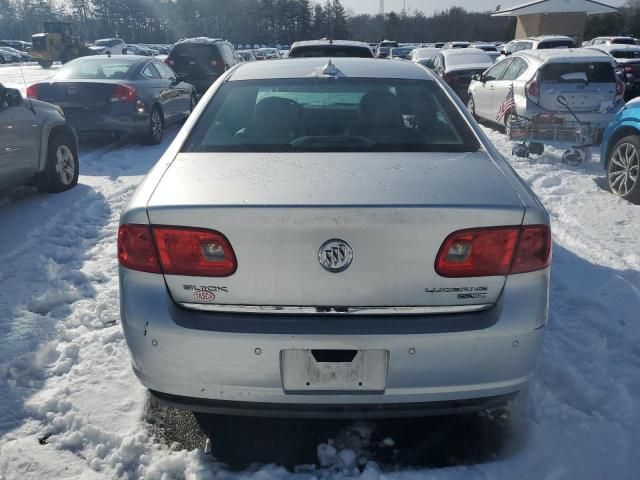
{"x":165,"y":72}
{"x":496,"y":72}
{"x":151,"y":72}
{"x":517,"y":67}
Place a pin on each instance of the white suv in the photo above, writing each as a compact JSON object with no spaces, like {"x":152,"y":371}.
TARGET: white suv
{"x":530,"y":83}
{"x":544,"y":42}
{"x":109,"y":46}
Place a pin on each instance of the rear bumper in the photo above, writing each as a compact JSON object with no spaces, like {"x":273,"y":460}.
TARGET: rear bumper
{"x":215,"y":362}
{"x":97,"y":123}
{"x":301,"y":410}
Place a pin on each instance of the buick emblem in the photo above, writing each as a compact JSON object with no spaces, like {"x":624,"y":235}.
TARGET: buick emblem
{"x":335,"y":255}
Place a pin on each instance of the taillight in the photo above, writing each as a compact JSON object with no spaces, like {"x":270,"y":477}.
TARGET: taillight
{"x":532,"y":88}
{"x":135,"y":249}
{"x":175,"y":251}
{"x":32,"y":91}
{"x":534,"y":249}
{"x":484,"y":252}
{"x":194,"y":252}
{"x":123,"y":94}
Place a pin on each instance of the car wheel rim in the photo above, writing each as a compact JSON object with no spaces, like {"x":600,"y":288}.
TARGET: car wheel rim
{"x":623,"y":169}
{"x":65,"y":164}
{"x":156,"y":124}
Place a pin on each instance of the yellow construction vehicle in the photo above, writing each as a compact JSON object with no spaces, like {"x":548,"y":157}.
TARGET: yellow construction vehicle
{"x":58,"y":42}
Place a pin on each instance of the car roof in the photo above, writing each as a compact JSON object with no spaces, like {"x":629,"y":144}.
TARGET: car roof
{"x":566,"y":55}
{"x":324,"y":42}
{"x":312,"y":67}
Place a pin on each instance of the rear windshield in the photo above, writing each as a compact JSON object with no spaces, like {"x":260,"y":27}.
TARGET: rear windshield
{"x":469,"y":59}
{"x":331,"y":51}
{"x":319,"y":114}
{"x":98,"y":69}
{"x":556,"y":44}
{"x":194,"y":52}
{"x":623,"y":41}
{"x":596,"y":72}
{"x":626,"y":54}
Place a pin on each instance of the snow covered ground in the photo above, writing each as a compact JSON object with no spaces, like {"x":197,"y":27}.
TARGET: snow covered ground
{"x":70,"y":407}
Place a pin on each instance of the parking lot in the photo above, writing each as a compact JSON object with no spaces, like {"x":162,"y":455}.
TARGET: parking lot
{"x":62,"y":348}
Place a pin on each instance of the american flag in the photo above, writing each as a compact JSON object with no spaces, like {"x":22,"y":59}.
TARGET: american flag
{"x":508,"y":104}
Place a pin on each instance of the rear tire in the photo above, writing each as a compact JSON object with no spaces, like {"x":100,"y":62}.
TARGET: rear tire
{"x":471,"y":105}
{"x":156,"y":127}
{"x":62,"y":168}
{"x":622,"y":169}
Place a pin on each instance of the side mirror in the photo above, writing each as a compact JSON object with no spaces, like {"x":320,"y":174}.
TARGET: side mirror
{"x":12,"y":98}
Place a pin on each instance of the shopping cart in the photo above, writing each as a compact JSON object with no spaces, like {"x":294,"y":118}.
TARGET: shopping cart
{"x":576,"y":137}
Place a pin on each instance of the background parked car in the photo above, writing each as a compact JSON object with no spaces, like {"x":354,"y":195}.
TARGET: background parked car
{"x":611,"y":40}
{"x":532,"y":82}
{"x":109,"y":46}
{"x":200,"y":61}
{"x":423,"y":55}
{"x":330,"y":48}
{"x":456,"y":66}
{"x":627,"y":63}
{"x":490,"y":48}
{"x":400,"y":53}
{"x":544,"y":42}
{"x":37,"y":146}
{"x":620,"y":153}
{"x":12,"y":55}
{"x":124,"y":94}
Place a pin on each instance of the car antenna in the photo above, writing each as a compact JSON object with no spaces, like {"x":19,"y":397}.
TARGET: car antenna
{"x":24,"y":81}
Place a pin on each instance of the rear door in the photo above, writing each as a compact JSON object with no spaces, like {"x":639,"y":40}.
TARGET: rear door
{"x":586,"y":86}
{"x":18,"y":146}
{"x":483,"y":96}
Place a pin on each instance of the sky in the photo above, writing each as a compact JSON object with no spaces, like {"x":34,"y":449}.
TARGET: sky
{"x":428,"y":6}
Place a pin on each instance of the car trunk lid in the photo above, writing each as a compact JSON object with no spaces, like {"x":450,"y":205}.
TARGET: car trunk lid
{"x":80,"y":94}
{"x":586,"y":87}
{"x":277,"y":210}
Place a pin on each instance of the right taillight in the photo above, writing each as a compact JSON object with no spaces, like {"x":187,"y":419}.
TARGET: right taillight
{"x":175,"y":251}
{"x":484,"y":252}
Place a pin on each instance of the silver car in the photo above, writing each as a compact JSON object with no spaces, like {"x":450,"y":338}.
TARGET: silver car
{"x":347,"y":243}
{"x":548,"y":82}
{"x":37,"y":146}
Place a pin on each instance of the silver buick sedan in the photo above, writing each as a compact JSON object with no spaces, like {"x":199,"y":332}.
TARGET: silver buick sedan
{"x":332,"y":238}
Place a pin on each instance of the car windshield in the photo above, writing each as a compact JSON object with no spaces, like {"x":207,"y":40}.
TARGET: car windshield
{"x":471,"y":58}
{"x":623,"y":41}
{"x":555,"y":44}
{"x":588,"y":72}
{"x":626,"y":53}
{"x":401,"y":52}
{"x":95,"y":69}
{"x":331,"y":51}
{"x":290,"y":115}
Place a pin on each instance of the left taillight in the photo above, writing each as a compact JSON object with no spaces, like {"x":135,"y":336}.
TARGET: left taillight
{"x":135,"y":249}
{"x":194,"y":252}
{"x":485,"y":252}
{"x":32,"y":91}
{"x":176,"y":251}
